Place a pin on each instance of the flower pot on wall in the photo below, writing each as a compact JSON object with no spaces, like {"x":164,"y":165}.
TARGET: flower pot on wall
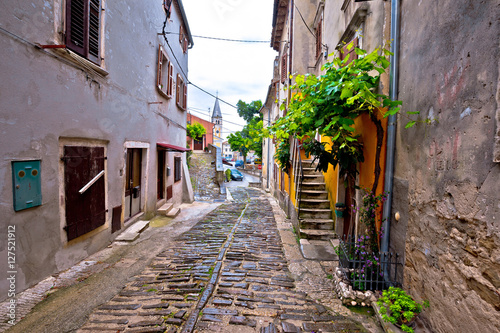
{"x":339,"y":209}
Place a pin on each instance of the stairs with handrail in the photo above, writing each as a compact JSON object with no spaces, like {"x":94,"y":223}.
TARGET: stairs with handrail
{"x":315,"y":215}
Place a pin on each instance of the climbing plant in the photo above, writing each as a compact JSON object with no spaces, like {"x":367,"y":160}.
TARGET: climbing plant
{"x":329,"y":103}
{"x":195,"y":131}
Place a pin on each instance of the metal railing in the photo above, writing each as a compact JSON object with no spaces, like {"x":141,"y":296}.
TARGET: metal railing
{"x":298,"y":171}
{"x":368,"y":271}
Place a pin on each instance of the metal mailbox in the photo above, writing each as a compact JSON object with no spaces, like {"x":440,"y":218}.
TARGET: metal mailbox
{"x":27,"y":185}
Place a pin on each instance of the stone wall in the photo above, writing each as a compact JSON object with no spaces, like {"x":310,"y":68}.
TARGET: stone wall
{"x":446,"y":181}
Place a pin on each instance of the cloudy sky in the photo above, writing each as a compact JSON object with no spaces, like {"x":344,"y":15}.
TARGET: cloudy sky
{"x":234,"y":70}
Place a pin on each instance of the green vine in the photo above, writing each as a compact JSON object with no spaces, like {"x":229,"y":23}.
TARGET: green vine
{"x":328,"y":104}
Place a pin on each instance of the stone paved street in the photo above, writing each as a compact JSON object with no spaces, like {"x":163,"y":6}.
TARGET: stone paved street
{"x":228,"y":273}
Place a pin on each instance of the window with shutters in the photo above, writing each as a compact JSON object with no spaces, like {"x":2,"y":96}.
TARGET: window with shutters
{"x":181,"y":93}
{"x":319,"y":38}
{"x":183,"y":39}
{"x":177,"y":169}
{"x":83,"y":28}
{"x":345,"y":52}
{"x":165,"y":75}
{"x":283,"y":67}
{"x":167,"y":7}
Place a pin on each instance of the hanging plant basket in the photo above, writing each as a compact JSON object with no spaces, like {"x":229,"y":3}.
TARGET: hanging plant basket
{"x":339,"y":209}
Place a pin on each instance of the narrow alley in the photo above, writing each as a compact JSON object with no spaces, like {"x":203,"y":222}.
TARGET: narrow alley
{"x":230,"y":269}
{"x":233,"y":271}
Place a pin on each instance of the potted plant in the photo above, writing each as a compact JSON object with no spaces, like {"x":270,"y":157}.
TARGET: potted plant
{"x":399,"y":308}
{"x":339,"y":209}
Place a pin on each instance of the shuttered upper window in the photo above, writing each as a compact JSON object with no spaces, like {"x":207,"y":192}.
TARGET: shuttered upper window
{"x":319,"y":38}
{"x":83,"y":27}
{"x":183,"y":39}
{"x":181,"y":93}
{"x":284,"y":73}
{"x":165,"y":75}
{"x":167,"y":6}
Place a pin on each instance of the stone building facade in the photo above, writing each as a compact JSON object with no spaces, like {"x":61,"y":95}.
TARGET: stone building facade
{"x":446,"y":175}
{"x":93,"y":125}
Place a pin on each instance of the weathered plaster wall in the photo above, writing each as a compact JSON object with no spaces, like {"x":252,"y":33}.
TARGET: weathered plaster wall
{"x":46,"y":101}
{"x":447,"y":187}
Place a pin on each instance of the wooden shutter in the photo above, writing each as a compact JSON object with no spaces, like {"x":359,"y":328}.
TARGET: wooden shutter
{"x":76,"y":18}
{"x":184,"y":99}
{"x":178,"y":90}
{"x":283,"y":68}
{"x":83,"y":27}
{"x":84,"y":211}
{"x":160,"y":65}
{"x":170,"y":79}
{"x":167,"y":6}
{"x":319,"y":38}
{"x":352,"y":53}
{"x":94,"y":29}
{"x":181,"y":34}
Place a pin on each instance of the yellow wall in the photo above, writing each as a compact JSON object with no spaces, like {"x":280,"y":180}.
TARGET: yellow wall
{"x":367,"y":129}
{"x":331,"y":179}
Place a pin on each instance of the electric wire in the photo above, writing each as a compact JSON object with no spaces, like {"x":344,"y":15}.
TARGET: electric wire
{"x":223,"y":39}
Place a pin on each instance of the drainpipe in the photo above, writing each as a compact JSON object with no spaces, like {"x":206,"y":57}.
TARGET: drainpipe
{"x":268,"y":149}
{"x":391,"y":127}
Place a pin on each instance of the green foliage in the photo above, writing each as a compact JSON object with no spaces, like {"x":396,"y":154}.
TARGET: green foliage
{"x":249,"y":111}
{"x":282,"y":155}
{"x":329,"y":103}
{"x":195,"y":131}
{"x":228,"y":175}
{"x":399,"y":308}
{"x":249,"y":138}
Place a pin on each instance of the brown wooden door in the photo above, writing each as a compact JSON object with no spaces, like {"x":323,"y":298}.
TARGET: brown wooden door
{"x":84,"y":211}
{"x":198,"y":144}
{"x":161,"y":175}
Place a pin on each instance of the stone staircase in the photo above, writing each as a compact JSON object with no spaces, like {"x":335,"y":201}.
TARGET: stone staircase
{"x":169,"y":210}
{"x":315,"y":217}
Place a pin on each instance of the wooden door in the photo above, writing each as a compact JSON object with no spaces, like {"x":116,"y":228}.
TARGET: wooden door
{"x":198,"y":144}
{"x":85,"y":209}
{"x":161,"y":175}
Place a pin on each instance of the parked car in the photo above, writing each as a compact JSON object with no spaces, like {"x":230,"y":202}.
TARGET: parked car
{"x":236,"y":175}
{"x":238,"y":163}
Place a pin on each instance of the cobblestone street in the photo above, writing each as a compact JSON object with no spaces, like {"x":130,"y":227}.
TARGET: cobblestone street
{"x":227,"y":274}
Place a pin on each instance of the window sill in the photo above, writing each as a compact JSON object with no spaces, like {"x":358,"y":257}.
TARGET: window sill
{"x":80,"y":61}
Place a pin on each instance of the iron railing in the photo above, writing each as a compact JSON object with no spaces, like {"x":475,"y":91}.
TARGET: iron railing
{"x":298,"y":171}
{"x":368,"y":271}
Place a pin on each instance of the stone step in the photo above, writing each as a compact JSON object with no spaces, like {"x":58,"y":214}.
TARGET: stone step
{"x":317,"y":234}
{"x":316,"y":224}
{"x":133,"y":232}
{"x":163,"y":210}
{"x":313,"y":179}
{"x":313,"y":192}
{"x":314,"y":203}
{"x":314,"y":213}
{"x":313,"y":186}
{"x":173,"y":212}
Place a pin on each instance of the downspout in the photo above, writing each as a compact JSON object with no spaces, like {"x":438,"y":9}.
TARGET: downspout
{"x":268,"y":148}
{"x":391,"y":127}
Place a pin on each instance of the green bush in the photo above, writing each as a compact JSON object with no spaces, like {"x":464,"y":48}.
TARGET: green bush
{"x":228,"y":175}
{"x":399,"y":308}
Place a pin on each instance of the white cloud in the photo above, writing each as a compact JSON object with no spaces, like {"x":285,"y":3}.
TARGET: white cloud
{"x":236,"y":70}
